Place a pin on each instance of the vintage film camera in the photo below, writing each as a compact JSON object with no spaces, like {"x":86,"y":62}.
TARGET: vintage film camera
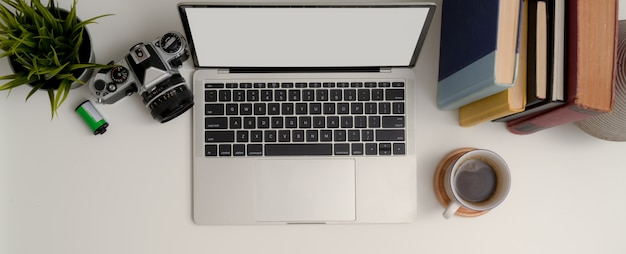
{"x":151,"y":70}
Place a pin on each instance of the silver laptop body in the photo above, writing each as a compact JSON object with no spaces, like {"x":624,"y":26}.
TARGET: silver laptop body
{"x":249,"y":171}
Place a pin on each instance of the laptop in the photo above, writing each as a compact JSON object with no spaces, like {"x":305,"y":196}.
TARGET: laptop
{"x":304,"y":113}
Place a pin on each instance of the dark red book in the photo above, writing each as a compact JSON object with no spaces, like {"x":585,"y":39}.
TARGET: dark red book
{"x":590,"y":70}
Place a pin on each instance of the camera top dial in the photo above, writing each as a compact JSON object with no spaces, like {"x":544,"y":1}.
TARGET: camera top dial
{"x":171,"y":43}
{"x":119,"y":74}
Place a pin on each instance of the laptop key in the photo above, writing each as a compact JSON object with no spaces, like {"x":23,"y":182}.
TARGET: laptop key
{"x":224,"y":95}
{"x":284,"y":136}
{"x":242,"y":136}
{"x":298,"y":149}
{"x":252,"y":95}
{"x":263,"y":122}
{"x":371,"y":149}
{"x":291,"y":122}
{"x":210,"y":95}
{"x":232,"y":109}
{"x":249,"y":122}
{"x":326,"y":135}
{"x":399,"y":148}
{"x":332,"y":122}
{"x":315,"y":108}
{"x":354,"y":135}
{"x":347,"y":122}
{"x":270,"y":136}
{"x":393,"y":121}
{"x":349,"y":95}
{"x":301,"y":109}
{"x":216,"y":123}
{"x":342,"y":149}
{"x":294,"y":95}
{"x":235,"y":122}
{"x":312,"y":136}
{"x":255,"y":150}
{"x":357,"y":149}
{"x":377,"y":94}
{"x":298,"y":136}
{"x":308,"y":95}
{"x":398,"y":107}
{"x":321,"y":95}
{"x":245,"y":109}
{"x":256,"y":136}
{"x":340,"y":135}
{"x":219,"y":136}
{"x":214,"y":85}
{"x":336,"y":94}
{"x":367,"y":135}
{"x":373,"y":121}
{"x":277,"y":122}
{"x":225,"y":150}
{"x":213,"y":109}
{"x":239,"y":150}
{"x":384,"y":149}
{"x":319,"y":122}
{"x":384,"y":108}
{"x":360,"y":121}
{"x":267,"y":95}
{"x":364,"y":94}
{"x":394,"y":94}
{"x":210,"y":150}
{"x":389,"y":135}
{"x":280,"y":95}
{"x":371,"y":108}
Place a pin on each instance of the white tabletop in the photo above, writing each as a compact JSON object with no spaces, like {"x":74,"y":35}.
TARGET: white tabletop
{"x":64,"y":190}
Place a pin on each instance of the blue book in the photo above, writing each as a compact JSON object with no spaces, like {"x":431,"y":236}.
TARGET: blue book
{"x":479,"y":50}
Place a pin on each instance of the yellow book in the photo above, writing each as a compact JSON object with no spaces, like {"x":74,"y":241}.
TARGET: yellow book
{"x":504,"y":103}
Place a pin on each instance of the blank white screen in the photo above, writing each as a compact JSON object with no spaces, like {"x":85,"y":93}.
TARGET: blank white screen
{"x":305,"y":37}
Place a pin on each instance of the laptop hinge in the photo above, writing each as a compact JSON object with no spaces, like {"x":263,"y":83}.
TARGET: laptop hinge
{"x":223,"y":71}
{"x":301,"y":69}
{"x":385,"y":69}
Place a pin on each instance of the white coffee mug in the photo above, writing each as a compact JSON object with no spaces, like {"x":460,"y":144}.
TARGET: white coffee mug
{"x":478,"y":180}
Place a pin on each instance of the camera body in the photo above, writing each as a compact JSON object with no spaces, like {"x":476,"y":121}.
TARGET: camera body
{"x":151,"y":70}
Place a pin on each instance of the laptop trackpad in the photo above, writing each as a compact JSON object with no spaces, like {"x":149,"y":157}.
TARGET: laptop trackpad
{"x":305,"y":190}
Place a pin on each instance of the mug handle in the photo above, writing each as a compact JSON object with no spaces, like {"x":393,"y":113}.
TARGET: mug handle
{"x":451,"y":210}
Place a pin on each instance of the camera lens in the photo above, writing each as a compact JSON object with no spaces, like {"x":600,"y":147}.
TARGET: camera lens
{"x":168,"y":99}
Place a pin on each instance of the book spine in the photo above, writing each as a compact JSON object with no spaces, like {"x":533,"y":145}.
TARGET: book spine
{"x":467,"y":55}
{"x":550,"y":118}
{"x":572,"y":111}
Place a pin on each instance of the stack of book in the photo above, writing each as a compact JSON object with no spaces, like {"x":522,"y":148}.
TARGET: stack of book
{"x":533,"y":64}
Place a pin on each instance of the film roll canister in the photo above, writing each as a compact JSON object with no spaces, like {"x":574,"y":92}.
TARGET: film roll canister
{"x":92,"y":117}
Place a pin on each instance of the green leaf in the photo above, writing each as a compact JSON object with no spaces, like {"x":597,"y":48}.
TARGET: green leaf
{"x":89,"y":21}
{"x":65,"y":87}
{"x":71,"y":19}
{"x":74,"y":67}
{"x":52,"y":105}
{"x":28,"y":43}
{"x":35,"y":89}
{"x":47,"y":46}
{"x":17,"y":81}
{"x":47,"y":16}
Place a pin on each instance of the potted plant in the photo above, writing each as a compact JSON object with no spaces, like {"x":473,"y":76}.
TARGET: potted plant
{"x":48,"y":48}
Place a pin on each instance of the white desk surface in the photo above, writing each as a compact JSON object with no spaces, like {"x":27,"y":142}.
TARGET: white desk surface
{"x":64,"y":190}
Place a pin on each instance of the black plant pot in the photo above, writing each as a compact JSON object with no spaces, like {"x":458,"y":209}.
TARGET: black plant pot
{"x":86,"y":55}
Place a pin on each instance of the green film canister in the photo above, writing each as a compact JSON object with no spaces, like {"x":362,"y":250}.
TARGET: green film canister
{"x":92,"y":117}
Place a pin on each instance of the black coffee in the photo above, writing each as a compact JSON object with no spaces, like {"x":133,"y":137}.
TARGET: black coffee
{"x":476,"y":181}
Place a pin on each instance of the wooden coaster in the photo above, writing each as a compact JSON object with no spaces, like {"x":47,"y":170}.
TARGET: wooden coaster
{"x":440,"y":190}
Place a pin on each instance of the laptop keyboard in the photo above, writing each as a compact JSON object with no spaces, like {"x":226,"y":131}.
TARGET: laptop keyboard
{"x":364,"y":118}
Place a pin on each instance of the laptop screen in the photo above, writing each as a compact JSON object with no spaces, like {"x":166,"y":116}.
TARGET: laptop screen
{"x":305,"y":36}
